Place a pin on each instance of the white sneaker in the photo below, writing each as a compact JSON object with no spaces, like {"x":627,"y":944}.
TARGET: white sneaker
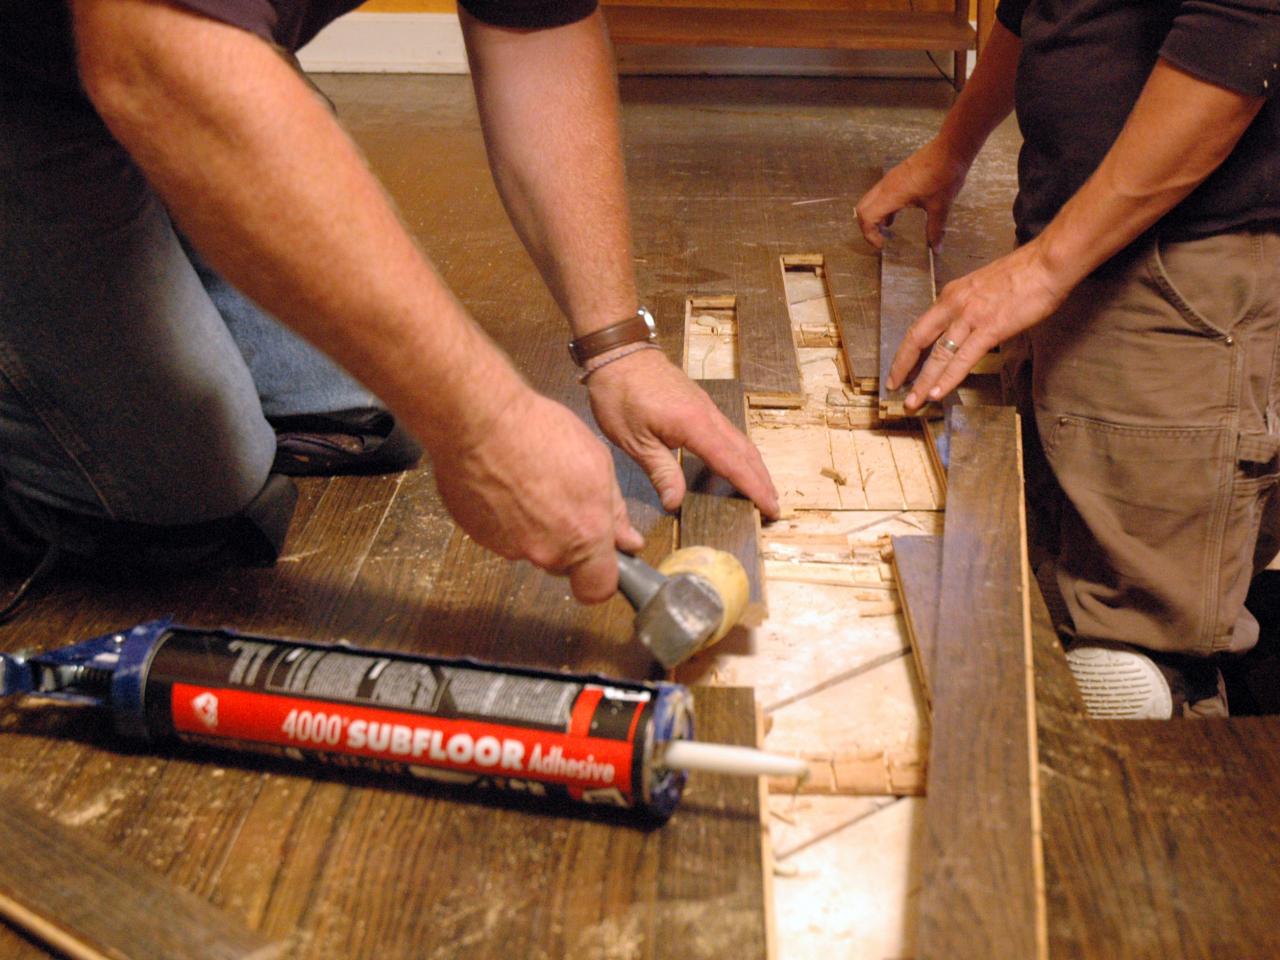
{"x":1118,"y":683}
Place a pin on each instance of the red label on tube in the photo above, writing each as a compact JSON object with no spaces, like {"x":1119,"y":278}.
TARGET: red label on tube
{"x":582,"y":763}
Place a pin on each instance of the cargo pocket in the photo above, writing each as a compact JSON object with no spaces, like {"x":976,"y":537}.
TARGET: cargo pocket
{"x":1257,"y":476}
{"x":1141,"y":537}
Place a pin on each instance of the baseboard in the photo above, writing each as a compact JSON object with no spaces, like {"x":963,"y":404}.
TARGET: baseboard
{"x":432,"y":43}
{"x":388,"y":43}
{"x":780,"y":62}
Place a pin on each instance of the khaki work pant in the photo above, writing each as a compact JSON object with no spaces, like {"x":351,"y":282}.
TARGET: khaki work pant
{"x":1151,"y":404}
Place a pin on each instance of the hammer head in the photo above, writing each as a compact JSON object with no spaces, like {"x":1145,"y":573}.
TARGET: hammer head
{"x":679,"y":618}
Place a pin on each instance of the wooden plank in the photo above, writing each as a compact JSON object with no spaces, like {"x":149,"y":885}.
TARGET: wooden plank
{"x":917,"y":570}
{"x":699,"y":260}
{"x":82,"y":899}
{"x":858,"y":336}
{"x":907,"y":290}
{"x":1189,"y":866}
{"x":821,"y":29}
{"x":714,"y":514}
{"x":982,"y":881}
{"x":770,"y":371}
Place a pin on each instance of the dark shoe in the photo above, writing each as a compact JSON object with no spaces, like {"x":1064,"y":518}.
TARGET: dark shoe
{"x":363,"y":441}
{"x":252,"y":537}
{"x":20,"y":548}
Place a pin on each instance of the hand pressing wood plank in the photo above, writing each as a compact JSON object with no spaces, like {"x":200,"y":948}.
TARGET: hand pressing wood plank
{"x":80,"y":898}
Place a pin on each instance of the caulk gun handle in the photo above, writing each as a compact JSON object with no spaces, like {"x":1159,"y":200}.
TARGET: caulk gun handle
{"x":637,"y":581}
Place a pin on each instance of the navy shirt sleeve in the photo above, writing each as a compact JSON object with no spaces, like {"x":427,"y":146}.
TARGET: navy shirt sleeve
{"x":529,"y":13}
{"x":1009,"y":13}
{"x":257,"y":16}
{"x":1231,"y":43}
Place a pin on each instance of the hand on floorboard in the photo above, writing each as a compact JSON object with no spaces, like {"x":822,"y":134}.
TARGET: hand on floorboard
{"x":538,"y":485}
{"x":929,"y":179}
{"x":648,"y":407}
{"x":972,"y":315}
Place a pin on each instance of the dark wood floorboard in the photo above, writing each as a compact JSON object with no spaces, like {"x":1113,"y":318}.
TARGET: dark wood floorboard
{"x":714,"y":514}
{"x":57,"y":883}
{"x":1161,"y":838}
{"x":906,"y":291}
{"x":981,"y":880}
{"x":917,"y":572}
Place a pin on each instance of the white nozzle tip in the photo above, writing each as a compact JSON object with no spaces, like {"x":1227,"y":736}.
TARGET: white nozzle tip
{"x":723,"y":758}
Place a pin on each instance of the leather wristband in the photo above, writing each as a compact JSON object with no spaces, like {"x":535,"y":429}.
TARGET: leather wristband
{"x":619,"y":353}
{"x":639,"y":328}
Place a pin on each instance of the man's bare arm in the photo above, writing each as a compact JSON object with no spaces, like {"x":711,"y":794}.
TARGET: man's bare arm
{"x":549,"y":109}
{"x":932,"y":176}
{"x":256,"y":171}
{"x":1180,"y":130}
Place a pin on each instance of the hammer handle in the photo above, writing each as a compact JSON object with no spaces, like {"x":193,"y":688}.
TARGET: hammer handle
{"x":637,"y":581}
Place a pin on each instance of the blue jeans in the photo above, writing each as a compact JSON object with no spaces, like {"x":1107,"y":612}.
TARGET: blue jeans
{"x":135,"y":383}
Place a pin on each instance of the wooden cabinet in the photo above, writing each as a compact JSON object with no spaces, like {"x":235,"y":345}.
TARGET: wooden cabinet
{"x":819,"y":24}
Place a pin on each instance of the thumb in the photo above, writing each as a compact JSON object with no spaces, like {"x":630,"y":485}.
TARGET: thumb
{"x":664,"y":472}
{"x":935,"y":225}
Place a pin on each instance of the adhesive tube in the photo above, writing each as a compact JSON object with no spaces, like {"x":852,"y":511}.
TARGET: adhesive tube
{"x":576,"y":737}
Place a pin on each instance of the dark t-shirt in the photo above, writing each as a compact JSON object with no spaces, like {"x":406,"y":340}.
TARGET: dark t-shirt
{"x":1083,"y":65}
{"x":36,"y":48}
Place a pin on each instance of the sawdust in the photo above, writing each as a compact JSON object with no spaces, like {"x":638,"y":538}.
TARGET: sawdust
{"x":100,"y":806}
{"x":709,"y":929}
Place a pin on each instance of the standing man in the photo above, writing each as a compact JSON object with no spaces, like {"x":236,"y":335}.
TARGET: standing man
{"x":167,"y":175}
{"x":1147,"y":292}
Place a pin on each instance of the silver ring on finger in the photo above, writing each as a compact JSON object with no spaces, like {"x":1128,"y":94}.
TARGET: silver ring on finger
{"x":947,"y":344}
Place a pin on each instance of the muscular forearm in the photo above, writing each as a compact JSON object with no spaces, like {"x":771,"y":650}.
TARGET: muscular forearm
{"x":549,"y":109}
{"x":256,"y":171}
{"x":932,"y":176}
{"x":1179,"y":131}
{"x":986,"y":99}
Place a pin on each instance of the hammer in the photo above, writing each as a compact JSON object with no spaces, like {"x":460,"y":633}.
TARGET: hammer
{"x":690,"y":601}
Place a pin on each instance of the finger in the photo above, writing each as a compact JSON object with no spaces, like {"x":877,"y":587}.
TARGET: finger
{"x":595,"y":579}
{"x":919,"y":339}
{"x":952,"y":374}
{"x":752,"y":478}
{"x":935,"y":225}
{"x":728,"y":453}
{"x":868,"y":224}
{"x":948,"y":361}
{"x":663,"y":470}
{"x":625,"y":536}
